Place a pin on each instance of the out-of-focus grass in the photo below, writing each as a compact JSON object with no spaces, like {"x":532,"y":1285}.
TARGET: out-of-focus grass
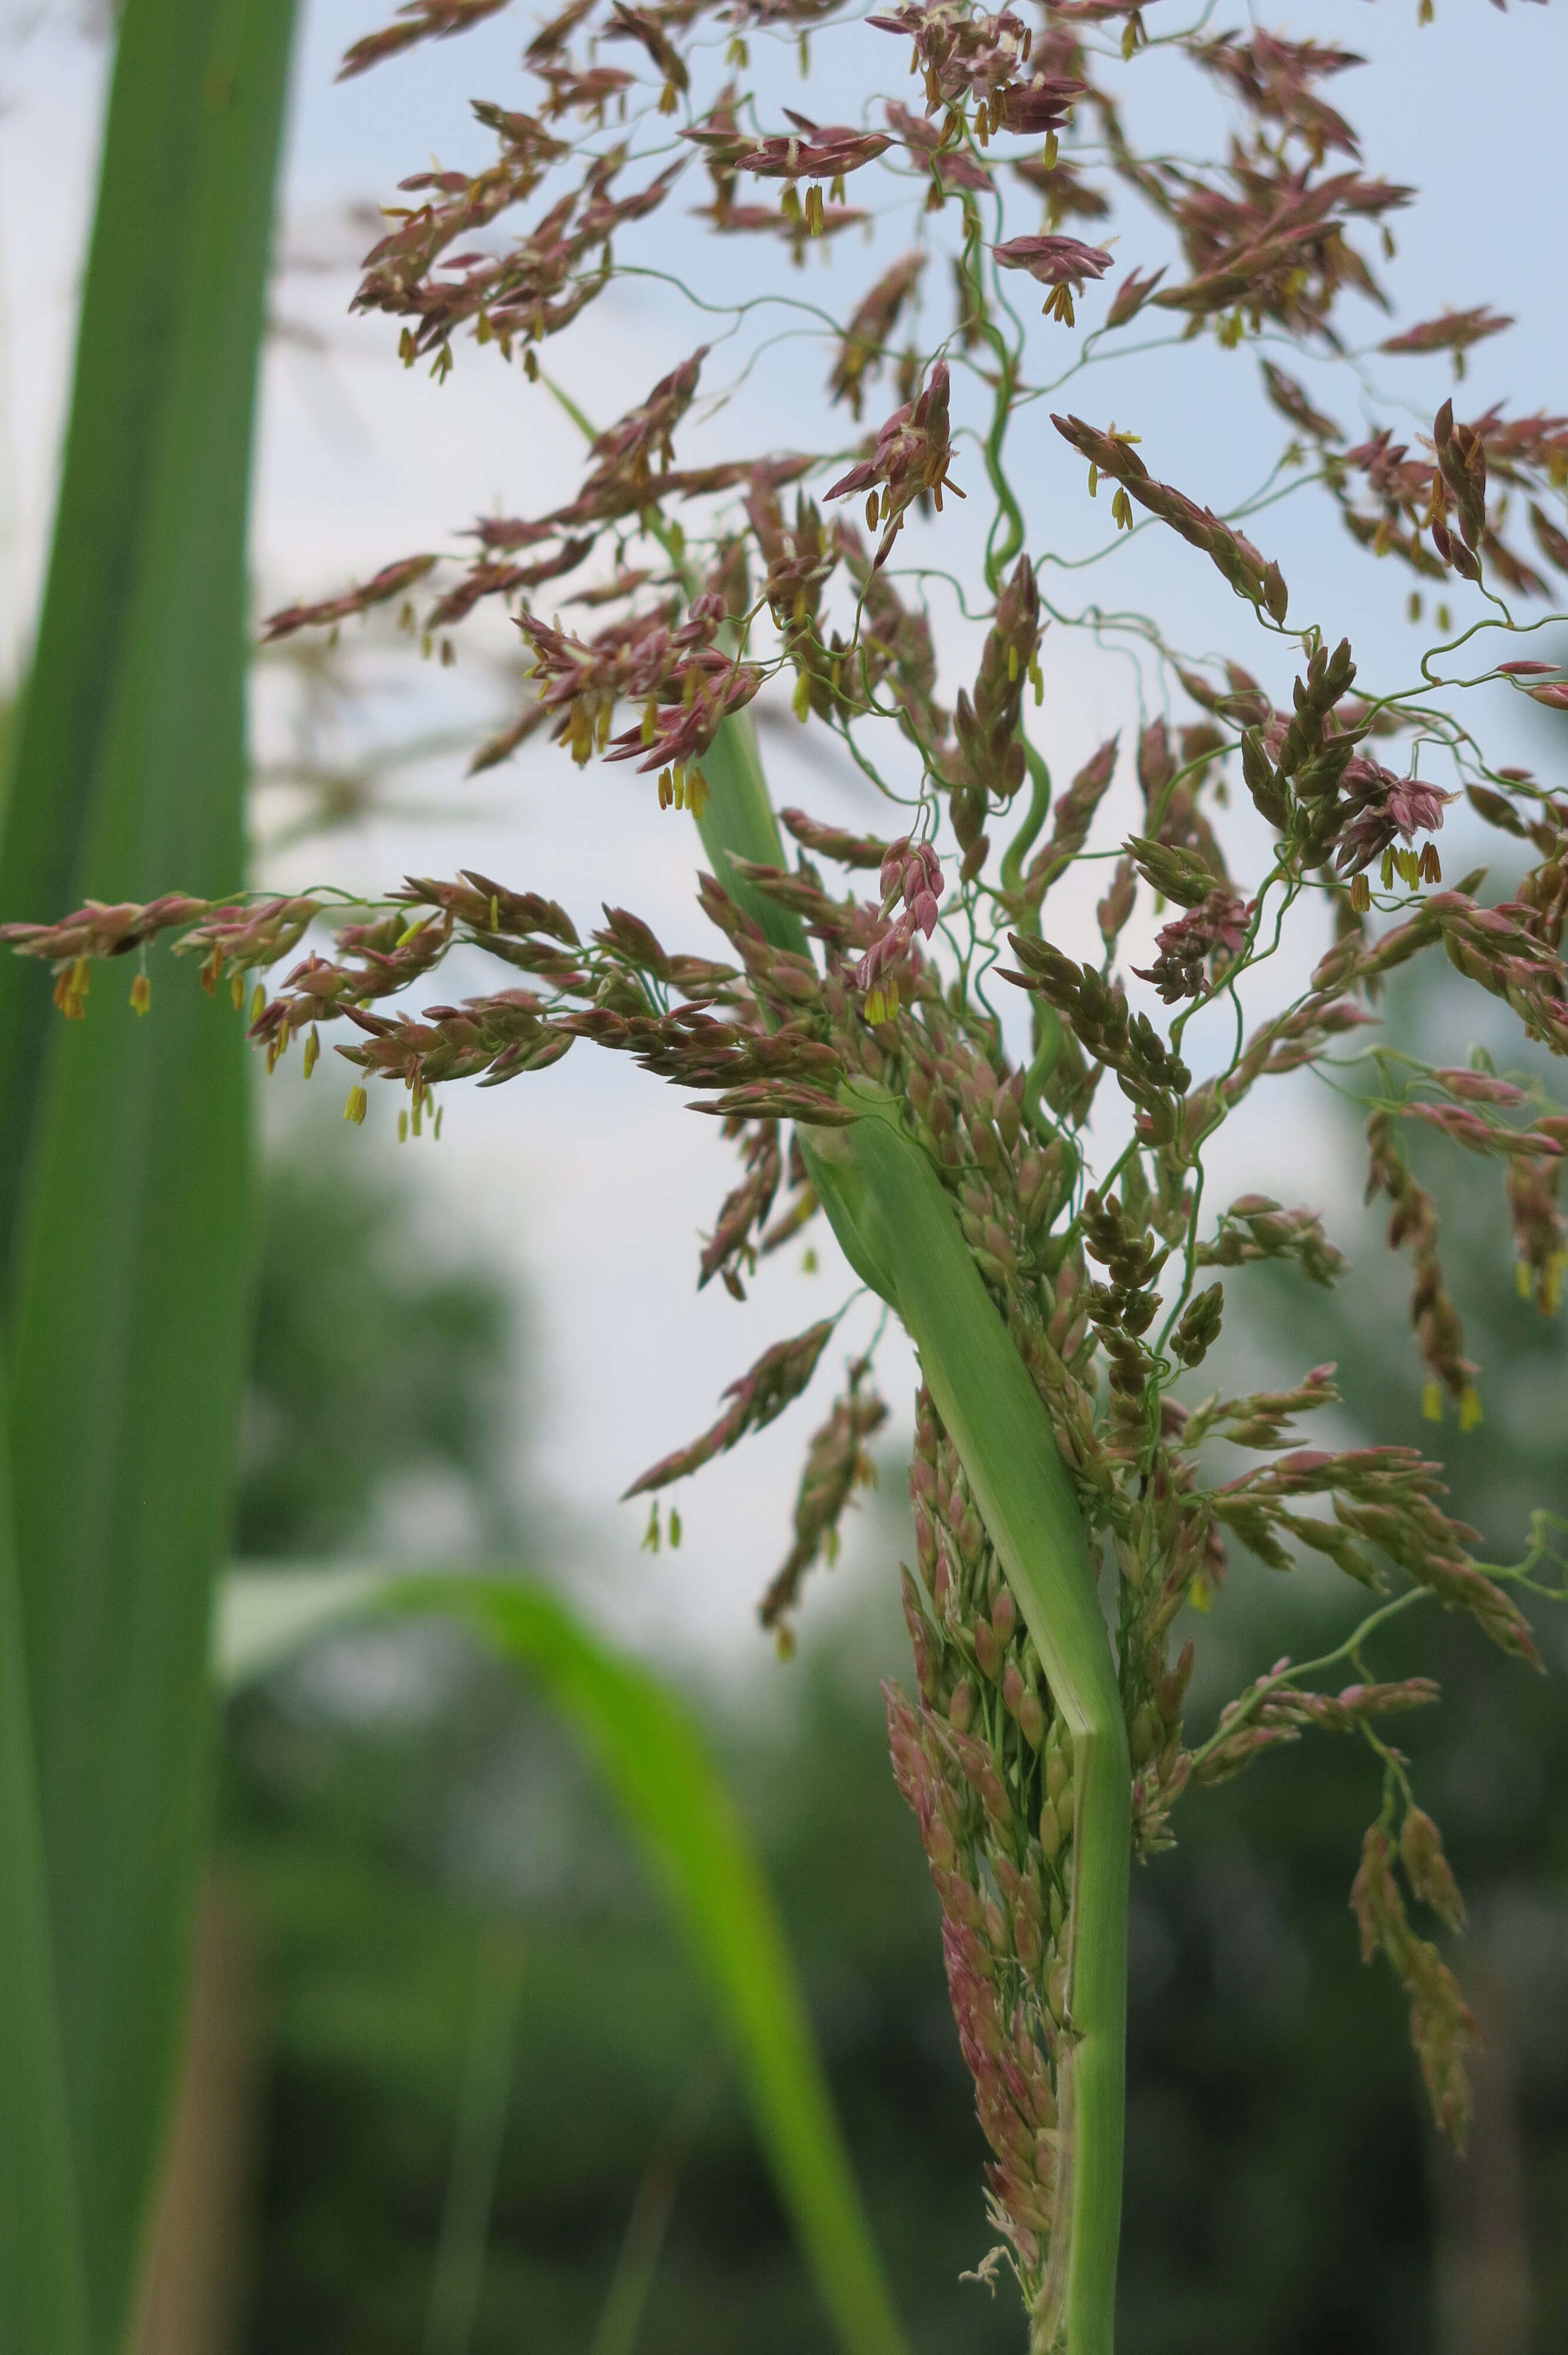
{"x":43,"y":2290}
{"x":654,"y":1760}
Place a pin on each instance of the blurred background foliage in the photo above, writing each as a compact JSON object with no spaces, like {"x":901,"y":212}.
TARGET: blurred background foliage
{"x":396,"y":1816}
{"x":373,"y":1377}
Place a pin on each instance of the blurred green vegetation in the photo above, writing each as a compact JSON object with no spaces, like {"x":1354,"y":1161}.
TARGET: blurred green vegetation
{"x":393,"y":1806}
{"x":369,"y":1370}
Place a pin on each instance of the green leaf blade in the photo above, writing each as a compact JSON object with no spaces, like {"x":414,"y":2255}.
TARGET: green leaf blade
{"x":43,"y":2296}
{"x":654,"y":1758}
{"x":124,"y":1205}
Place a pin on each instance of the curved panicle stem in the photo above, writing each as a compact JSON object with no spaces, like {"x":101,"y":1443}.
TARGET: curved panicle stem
{"x":898,"y":1228}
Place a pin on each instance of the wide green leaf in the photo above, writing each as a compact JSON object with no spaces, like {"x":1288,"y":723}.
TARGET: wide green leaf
{"x":43,"y":2298}
{"x":655,"y":1761}
{"x":125,"y":1178}
{"x":156,"y":463}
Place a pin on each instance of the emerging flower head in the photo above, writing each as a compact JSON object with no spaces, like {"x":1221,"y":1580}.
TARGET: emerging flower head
{"x":911,"y":873}
{"x":1200,"y":942}
{"x":1061,"y":262}
{"x":1380,"y":805}
{"x":912,"y":453}
{"x":1054,"y":260}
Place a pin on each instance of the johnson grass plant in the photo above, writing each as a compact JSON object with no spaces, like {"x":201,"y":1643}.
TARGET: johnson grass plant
{"x":1009,"y":1140}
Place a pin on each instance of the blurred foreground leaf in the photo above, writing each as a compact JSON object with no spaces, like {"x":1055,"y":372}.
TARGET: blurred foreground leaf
{"x":42,"y":2297}
{"x":124,"y":1180}
{"x":654,"y":1760}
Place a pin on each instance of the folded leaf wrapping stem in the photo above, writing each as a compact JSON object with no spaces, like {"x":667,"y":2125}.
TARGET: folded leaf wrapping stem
{"x":898,"y":1230}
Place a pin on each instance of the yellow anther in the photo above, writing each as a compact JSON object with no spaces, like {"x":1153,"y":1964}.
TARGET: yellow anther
{"x":1551,"y":1297}
{"x":72,"y":988}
